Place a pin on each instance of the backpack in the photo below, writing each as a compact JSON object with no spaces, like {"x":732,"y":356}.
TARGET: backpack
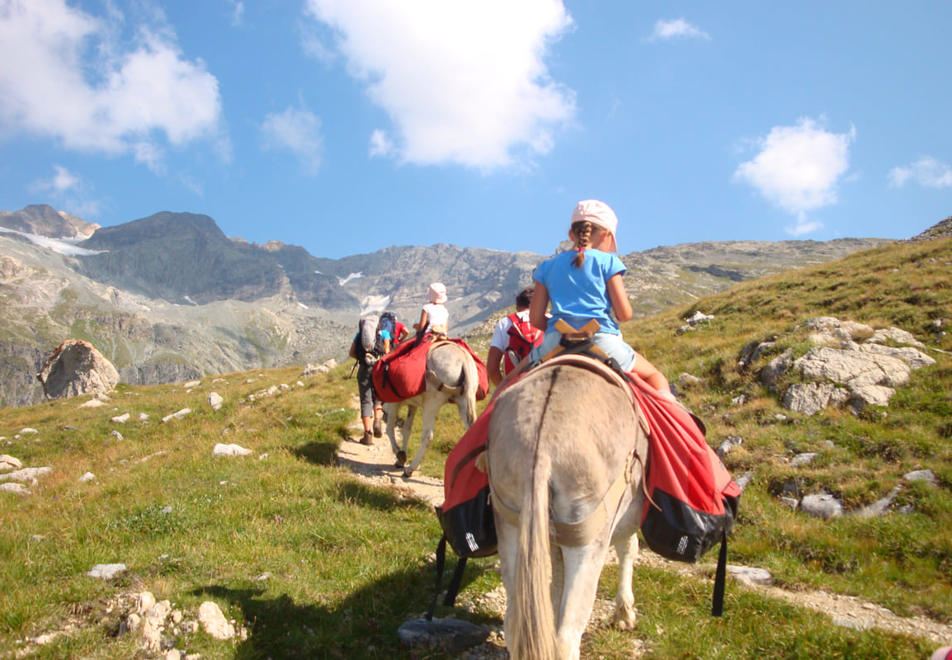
{"x":691,"y":499}
{"x":368,"y":337}
{"x":388,"y":322}
{"x":466,"y":515}
{"x":522,"y":337}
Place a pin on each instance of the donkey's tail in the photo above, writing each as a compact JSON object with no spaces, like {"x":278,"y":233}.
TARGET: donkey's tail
{"x":533,"y":621}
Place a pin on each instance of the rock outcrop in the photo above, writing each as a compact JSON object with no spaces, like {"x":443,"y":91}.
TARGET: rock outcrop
{"x":75,"y":367}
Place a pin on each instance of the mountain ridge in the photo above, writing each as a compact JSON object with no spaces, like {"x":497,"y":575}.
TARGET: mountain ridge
{"x":171,"y":297}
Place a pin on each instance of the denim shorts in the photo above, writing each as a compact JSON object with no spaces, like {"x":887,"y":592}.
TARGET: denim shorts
{"x":613,"y":345}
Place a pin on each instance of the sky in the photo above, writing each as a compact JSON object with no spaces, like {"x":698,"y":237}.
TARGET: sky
{"x":347,"y":126}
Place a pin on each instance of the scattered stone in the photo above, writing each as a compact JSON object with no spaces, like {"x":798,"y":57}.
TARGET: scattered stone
{"x":687,"y":381}
{"x":264,"y":576}
{"x":214,"y":621}
{"x":143,"y":417}
{"x":744,"y":480}
{"x":450,"y":635}
{"x":729,"y":443}
{"x":176,"y":415}
{"x":120,"y":419}
{"x":821,"y":505}
{"x":230,"y":450}
{"x":739,"y":400}
{"x":804,"y":459}
{"x":106,"y":571}
{"x":698,"y":317}
{"x":25,"y":475}
{"x":878,"y":507}
{"x":750,"y":575}
{"x":192,"y":383}
{"x":922,"y":475}
{"x":9,"y":463}
{"x":115,"y":434}
{"x":89,"y":476}
{"x":28,"y":431}
{"x":15,"y":488}
{"x":92,"y":403}
{"x":215,"y":401}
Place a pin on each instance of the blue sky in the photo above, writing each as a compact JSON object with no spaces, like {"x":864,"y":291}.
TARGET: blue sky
{"x":346,"y":126}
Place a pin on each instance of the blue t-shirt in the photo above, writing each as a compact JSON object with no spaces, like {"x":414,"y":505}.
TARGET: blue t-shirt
{"x":577,"y":295}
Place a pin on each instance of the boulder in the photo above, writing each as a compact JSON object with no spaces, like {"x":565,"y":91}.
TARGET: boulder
{"x":75,"y":367}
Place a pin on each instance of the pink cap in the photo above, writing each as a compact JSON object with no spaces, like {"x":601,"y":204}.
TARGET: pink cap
{"x":596,"y":212}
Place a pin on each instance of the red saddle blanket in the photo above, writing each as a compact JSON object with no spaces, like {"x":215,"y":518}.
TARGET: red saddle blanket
{"x":693,"y":498}
{"x":401,"y":373}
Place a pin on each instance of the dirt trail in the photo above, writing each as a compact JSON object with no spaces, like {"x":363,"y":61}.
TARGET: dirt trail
{"x":375,"y":465}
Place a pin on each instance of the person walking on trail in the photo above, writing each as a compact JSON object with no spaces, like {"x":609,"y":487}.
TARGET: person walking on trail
{"x":584,"y":284}
{"x":434,"y":317}
{"x":366,"y":348}
{"x":513,"y":338}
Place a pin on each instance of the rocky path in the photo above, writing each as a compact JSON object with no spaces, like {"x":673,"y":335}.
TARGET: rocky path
{"x":374,"y":464}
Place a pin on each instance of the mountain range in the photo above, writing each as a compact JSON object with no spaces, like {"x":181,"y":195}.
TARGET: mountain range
{"x":170,"y":297}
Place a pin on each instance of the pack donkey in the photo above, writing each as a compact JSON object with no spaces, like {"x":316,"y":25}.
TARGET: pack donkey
{"x":566,"y":462}
{"x":451,"y":373}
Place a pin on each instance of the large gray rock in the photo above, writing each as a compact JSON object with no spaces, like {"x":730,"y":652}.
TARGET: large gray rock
{"x":76,"y":368}
{"x":852,"y":368}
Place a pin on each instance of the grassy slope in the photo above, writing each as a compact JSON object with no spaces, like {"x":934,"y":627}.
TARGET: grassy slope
{"x":348,"y":563}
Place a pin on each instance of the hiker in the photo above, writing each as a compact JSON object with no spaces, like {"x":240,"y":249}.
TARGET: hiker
{"x":584,"y":284}
{"x":513,"y":338}
{"x":434,"y":317}
{"x":366,"y":348}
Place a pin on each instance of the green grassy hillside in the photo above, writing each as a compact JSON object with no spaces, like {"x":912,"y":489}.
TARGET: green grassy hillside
{"x":312,"y":562}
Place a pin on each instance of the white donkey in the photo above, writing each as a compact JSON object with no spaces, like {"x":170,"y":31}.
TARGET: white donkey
{"x":566,"y":457}
{"x":451,"y":373}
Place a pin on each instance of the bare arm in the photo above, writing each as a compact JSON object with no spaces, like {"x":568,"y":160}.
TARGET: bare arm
{"x":353,"y":349}
{"x":619,"y":298}
{"x":493,"y":361}
{"x":540,"y":302}
{"x":419,"y":325}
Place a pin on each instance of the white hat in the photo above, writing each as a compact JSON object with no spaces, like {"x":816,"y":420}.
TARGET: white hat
{"x":598,"y":213}
{"x":437,"y":293}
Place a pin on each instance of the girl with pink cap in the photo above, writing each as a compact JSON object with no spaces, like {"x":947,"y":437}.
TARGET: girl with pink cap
{"x":584,"y":284}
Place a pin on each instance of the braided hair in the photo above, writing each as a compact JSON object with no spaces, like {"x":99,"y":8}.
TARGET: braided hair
{"x":583,"y":236}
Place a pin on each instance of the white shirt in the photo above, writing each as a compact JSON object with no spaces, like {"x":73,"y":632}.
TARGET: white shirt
{"x":436,"y":316}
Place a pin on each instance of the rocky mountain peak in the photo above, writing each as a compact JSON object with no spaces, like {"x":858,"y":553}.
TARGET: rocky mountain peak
{"x":44,"y":220}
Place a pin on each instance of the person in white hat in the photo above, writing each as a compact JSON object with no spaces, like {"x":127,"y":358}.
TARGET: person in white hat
{"x":584,"y":284}
{"x":434,"y":317}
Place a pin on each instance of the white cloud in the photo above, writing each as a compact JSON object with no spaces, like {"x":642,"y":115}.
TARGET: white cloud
{"x":66,"y":76}
{"x":461,"y":82}
{"x":380,"y":144}
{"x":927,"y":171}
{"x":237,"y":12}
{"x":677,"y":29}
{"x":798,"y":167}
{"x":297,"y":131}
{"x":62,"y":181}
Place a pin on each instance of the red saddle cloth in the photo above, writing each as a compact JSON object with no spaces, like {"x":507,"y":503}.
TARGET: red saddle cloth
{"x":401,"y":373}
{"x":685,"y":478}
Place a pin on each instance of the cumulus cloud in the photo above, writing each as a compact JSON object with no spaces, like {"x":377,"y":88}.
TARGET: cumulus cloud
{"x":62,"y":181}
{"x":461,"y":82}
{"x":67,"y":190}
{"x":927,"y":171}
{"x":798,"y":168}
{"x":677,"y":28}
{"x":65,"y":75}
{"x":297,"y":131}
